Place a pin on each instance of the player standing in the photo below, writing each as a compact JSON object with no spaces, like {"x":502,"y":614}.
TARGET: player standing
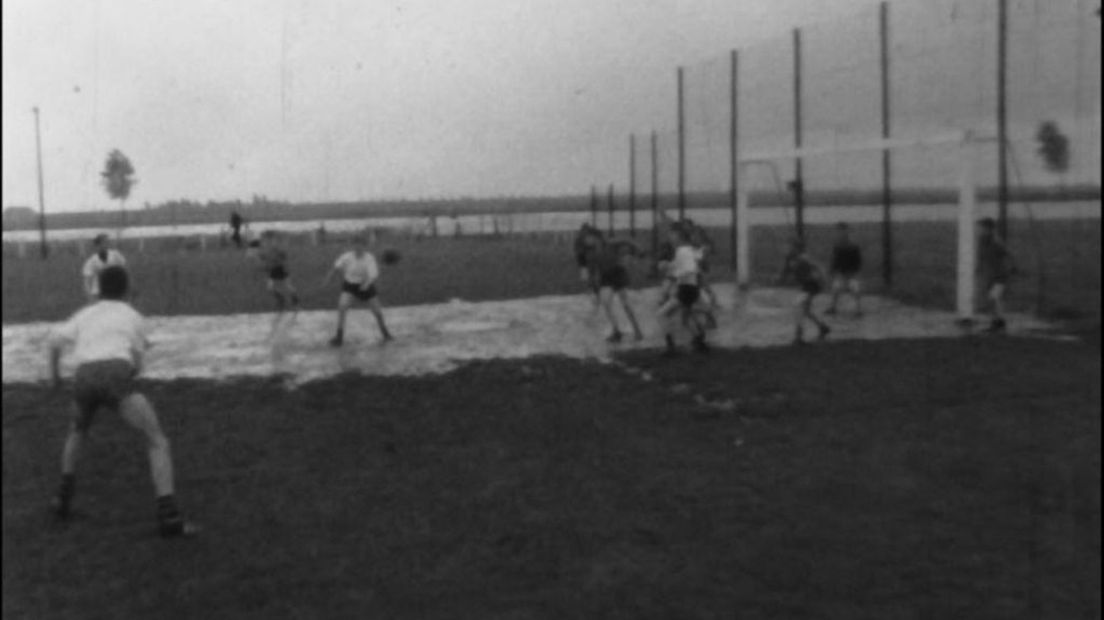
{"x":109,"y":341}
{"x":844,"y":270}
{"x":995,"y":265}
{"x":682,"y":292}
{"x":274,"y":260}
{"x":810,"y":281}
{"x":359,"y":272}
{"x":611,"y":273}
{"x":103,"y":257}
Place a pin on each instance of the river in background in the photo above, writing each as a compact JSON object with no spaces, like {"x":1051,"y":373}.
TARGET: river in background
{"x":569,"y":221}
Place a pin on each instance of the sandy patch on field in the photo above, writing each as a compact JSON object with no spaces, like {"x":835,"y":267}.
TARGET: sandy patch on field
{"x":436,"y":338}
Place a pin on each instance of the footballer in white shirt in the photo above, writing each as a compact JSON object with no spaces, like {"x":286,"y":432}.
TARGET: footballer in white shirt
{"x":359,"y":272}
{"x":108,"y":340}
{"x":104,"y":256}
{"x":684,"y":277}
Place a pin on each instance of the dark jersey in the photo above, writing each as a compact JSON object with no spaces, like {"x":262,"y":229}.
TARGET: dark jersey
{"x":993,"y":258}
{"x":803,"y":271}
{"x":846,"y":258}
{"x":274,"y":261}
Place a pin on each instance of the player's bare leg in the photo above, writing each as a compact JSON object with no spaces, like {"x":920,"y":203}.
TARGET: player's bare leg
{"x":996,"y":308}
{"x":138,"y":412}
{"x":837,"y":290}
{"x":377,"y":311}
{"x":343,"y":303}
{"x":606,"y":297}
{"x":667,"y":310}
{"x":70,"y":454}
{"x":624,"y":296}
{"x":807,"y":312}
{"x":856,"y":292}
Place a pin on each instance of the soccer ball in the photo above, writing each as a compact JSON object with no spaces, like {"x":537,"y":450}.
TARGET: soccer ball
{"x":391,"y":257}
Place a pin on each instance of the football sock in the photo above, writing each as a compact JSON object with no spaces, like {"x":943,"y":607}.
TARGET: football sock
{"x":65,"y":493}
{"x":167,"y":510}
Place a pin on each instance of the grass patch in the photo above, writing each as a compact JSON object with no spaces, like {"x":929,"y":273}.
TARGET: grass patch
{"x":942,"y":478}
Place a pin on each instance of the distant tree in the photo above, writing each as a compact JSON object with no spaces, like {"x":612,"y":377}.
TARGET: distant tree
{"x":1053,"y":147}
{"x":118,"y":179}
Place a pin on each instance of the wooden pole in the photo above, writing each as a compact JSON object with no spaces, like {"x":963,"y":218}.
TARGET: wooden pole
{"x":609,"y":207}
{"x":41,"y":199}
{"x":681,"y":147}
{"x":887,"y":162}
{"x":1002,"y":116}
{"x":799,"y":177}
{"x":734,"y":157}
{"x":655,"y":193}
{"x":632,"y":185}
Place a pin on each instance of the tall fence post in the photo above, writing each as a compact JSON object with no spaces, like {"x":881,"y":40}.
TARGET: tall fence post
{"x":887,"y":162}
{"x":681,"y":146}
{"x":655,"y":192}
{"x":632,"y":185}
{"x":609,"y":206}
{"x":799,"y":177}
{"x":1002,"y":116}
{"x":734,"y":156}
{"x":41,"y":199}
{"x":594,"y":206}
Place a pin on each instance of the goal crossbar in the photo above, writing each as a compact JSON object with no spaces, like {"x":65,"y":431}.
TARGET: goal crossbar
{"x":966,"y":143}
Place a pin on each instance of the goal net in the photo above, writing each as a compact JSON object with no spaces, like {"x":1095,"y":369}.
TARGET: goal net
{"x":842,"y":183}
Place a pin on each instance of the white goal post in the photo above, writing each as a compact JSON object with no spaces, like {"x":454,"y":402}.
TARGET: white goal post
{"x":967,"y":147}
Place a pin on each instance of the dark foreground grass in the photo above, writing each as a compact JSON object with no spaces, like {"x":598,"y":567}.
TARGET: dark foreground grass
{"x":921,"y":479}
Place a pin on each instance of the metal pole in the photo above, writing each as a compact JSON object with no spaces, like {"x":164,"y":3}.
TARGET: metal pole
{"x":632,"y":185}
{"x":681,"y":148}
{"x":609,"y":206}
{"x":887,"y":167}
{"x":41,"y":200}
{"x":734,"y":157}
{"x":593,"y":205}
{"x":655,"y":193}
{"x":1002,"y":116}
{"x":799,"y":178}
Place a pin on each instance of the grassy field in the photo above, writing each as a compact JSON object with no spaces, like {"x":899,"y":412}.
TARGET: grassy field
{"x":174,"y":279}
{"x":918,"y":479}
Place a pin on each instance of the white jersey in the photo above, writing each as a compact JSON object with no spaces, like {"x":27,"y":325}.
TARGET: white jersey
{"x":94,"y":265}
{"x":362,"y":271}
{"x":105,"y":330}
{"x":684,"y":266}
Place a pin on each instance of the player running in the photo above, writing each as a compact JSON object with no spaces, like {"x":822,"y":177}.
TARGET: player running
{"x":844,"y":270}
{"x":103,"y":257}
{"x":810,"y":280}
{"x":610,"y":272}
{"x":274,"y":258}
{"x":359,"y":272}
{"x":588,"y":242}
{"x":681,"y":293}
{"x":109,"y":340}
{"x":995,"y":265}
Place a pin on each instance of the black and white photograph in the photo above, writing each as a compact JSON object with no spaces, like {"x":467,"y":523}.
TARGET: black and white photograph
{"x":541,"y":309}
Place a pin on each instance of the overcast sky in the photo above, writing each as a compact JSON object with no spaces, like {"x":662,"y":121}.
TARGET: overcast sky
{"x":353,"y":99}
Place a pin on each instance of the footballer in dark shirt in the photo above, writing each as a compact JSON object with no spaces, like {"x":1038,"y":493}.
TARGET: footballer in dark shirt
{"x":845,"y":268}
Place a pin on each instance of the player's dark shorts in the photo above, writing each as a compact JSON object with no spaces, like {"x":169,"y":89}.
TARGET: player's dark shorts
{"x":101,"y":384}
{"x":357,"y":292}
{"x":687,"y":294}
{"x":256,"y":243}
{"x":616,"y":278}
{"x":812,"y":287}
{"x":581,"y":259}
{"x":278,"y":273}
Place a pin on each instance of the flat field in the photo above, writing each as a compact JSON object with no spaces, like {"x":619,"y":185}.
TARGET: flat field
{"x":895,"y":479}
{"x":1061,"y":261}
